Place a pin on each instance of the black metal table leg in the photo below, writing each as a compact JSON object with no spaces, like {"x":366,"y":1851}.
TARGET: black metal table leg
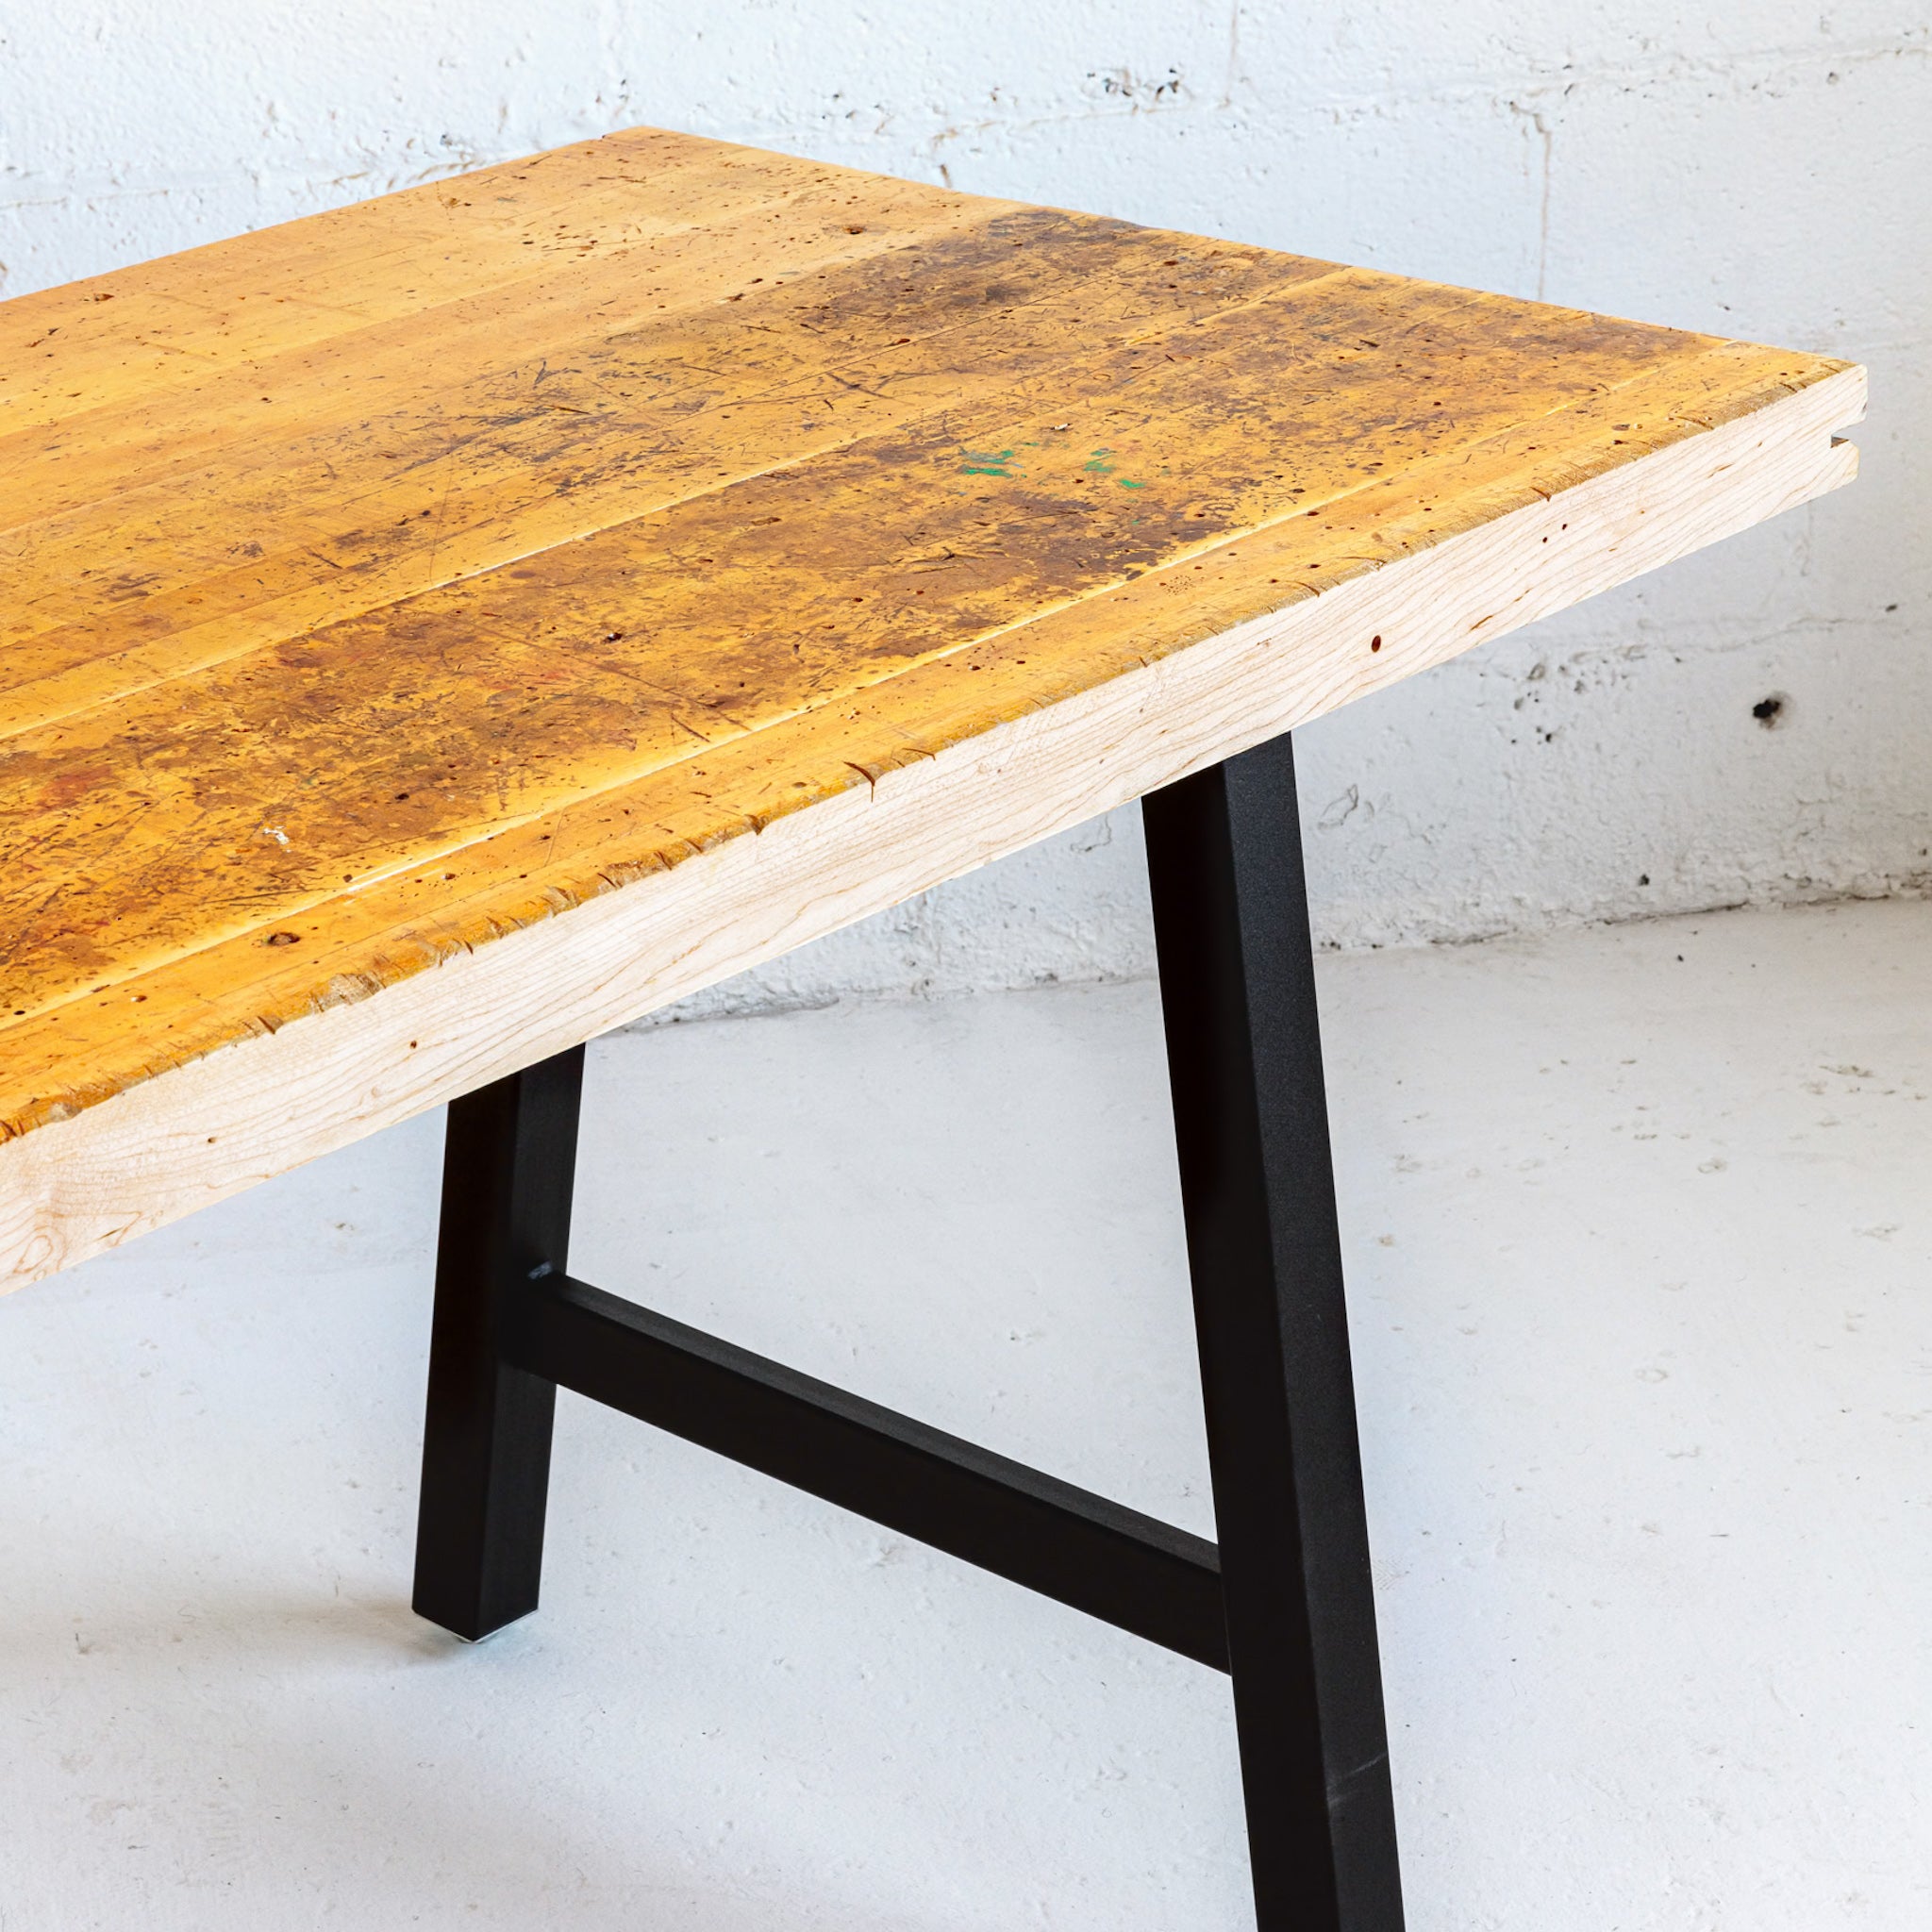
{"x":509,"y":1160}
{"x":1238,"y":990}
{"x":1284,"y":1602}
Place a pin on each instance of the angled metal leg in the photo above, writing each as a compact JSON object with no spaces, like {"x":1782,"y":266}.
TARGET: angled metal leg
{"x":1237,"y":982}
{"x":1284,"y":1603}
{"x":510,"y":1159}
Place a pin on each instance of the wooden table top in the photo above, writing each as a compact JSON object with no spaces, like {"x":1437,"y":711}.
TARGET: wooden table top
{"x":442,"y":629}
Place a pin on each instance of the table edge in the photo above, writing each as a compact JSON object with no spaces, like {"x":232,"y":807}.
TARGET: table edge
{"x":186,"y":1137}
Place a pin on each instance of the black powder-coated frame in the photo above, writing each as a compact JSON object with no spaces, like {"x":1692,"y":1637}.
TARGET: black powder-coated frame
{"x":1282,"y":1602}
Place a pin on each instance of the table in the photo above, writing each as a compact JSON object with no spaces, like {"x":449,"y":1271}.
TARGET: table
{"x":441,"y":630}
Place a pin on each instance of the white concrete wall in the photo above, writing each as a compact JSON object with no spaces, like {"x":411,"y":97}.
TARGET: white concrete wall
{"x":1763,"y":170}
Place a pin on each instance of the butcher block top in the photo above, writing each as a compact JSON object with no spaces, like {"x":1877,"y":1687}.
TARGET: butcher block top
{"x":442,"y":629}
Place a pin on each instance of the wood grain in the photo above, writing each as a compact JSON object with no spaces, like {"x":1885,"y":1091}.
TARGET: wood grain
{"x":704,"y":549}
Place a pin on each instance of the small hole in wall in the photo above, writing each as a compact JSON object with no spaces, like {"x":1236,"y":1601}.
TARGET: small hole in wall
{"x":1769,"y":712}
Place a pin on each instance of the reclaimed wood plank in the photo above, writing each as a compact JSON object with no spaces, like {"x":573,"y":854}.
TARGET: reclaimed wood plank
{"x":792,"y":595}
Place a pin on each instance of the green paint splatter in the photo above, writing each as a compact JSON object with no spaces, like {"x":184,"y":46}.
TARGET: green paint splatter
{"x":986,"y":462}
{"x":1097,"y":466}
{"x":1128,"y":483}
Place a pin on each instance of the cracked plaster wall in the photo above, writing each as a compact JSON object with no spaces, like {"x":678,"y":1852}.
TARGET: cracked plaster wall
{"x":1762,"y":171}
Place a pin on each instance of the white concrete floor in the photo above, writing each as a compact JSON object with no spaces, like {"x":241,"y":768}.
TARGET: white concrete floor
{"x":1641,"y":1234}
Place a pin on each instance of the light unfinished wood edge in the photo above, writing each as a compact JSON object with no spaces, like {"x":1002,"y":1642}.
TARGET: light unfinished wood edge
{"x":190,"y":1136}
